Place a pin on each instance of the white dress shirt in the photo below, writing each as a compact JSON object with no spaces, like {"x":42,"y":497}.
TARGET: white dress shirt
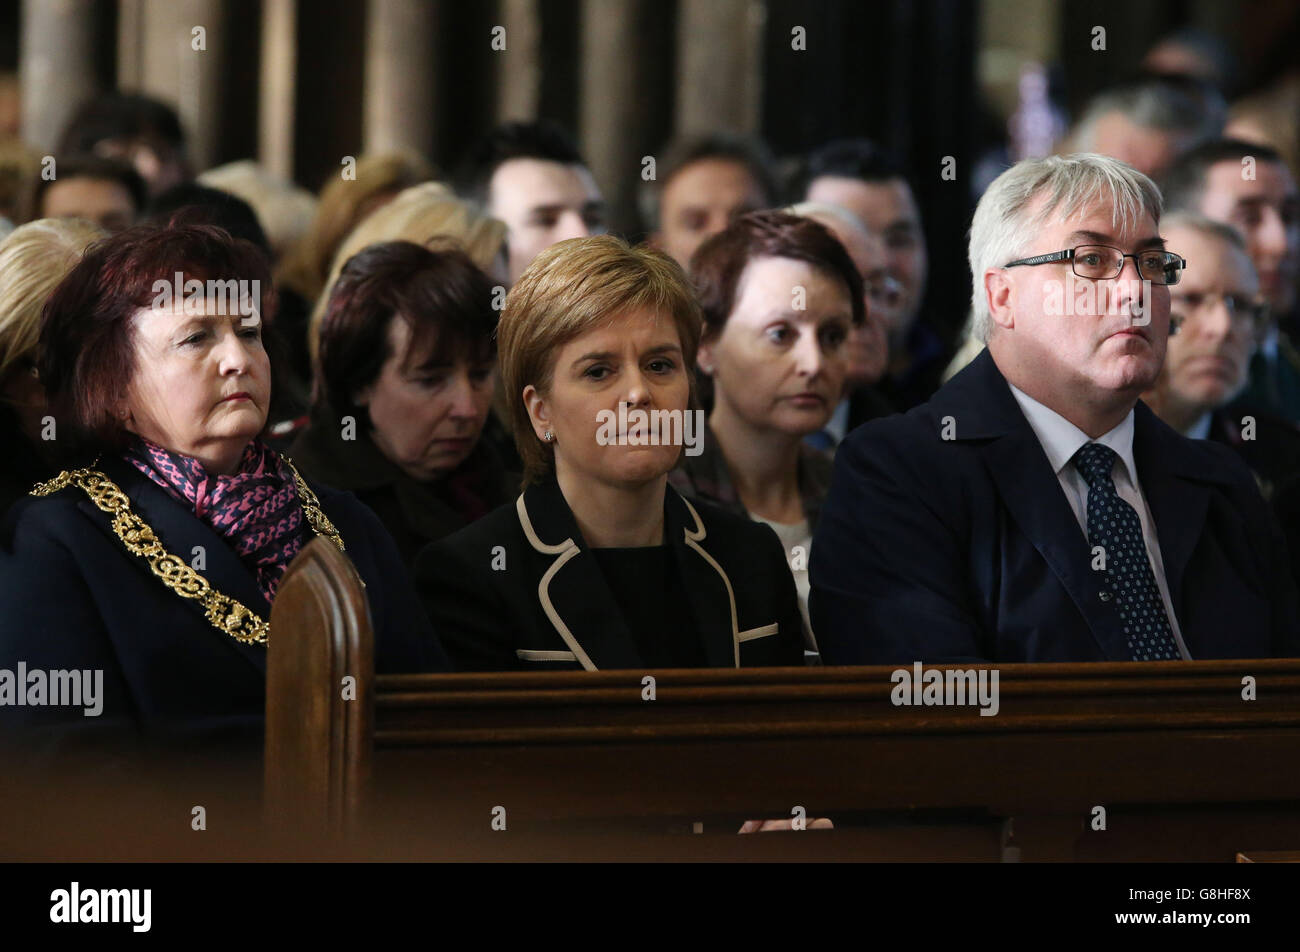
{"x":1061,"y":439}
{"x":1200,"y":430}
{"x":794,"y":537}
{"x":838,"y":425}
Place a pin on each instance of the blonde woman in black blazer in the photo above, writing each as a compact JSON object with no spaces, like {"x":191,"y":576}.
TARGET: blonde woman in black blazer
{"x":599,"y":564}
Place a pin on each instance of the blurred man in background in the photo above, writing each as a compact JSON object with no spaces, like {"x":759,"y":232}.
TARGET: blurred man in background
{"x":856,"y":175}
{"x":1218,"y":316}
{"x":867,"y":347}
{"x":701,"y":185}
{"x":1149,"y":124}
{"x":139,"y":130}
{"x":531,"y":176}
{"x":1249,"y":187}
{"x":105,"y":191}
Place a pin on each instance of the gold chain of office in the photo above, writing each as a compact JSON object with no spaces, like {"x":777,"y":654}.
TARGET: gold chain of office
{"x":225,"y":613}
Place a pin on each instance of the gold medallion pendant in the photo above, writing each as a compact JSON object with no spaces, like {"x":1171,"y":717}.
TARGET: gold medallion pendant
{"x":225,"y":613}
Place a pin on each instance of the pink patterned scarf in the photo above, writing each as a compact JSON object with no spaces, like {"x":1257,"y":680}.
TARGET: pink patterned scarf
{"x":256,"y":510}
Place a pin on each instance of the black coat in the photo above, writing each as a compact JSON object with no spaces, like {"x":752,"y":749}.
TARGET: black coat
{"x":1273,"y":452}
{"x":415,"y":513}
{"x":966,"y":549}
{"x":72,"y":597}
{"x":551,"y":606}
{"x":22,"y":465}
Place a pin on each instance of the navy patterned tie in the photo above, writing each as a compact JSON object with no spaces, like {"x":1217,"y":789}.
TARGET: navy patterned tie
{"x":1114,"y":525}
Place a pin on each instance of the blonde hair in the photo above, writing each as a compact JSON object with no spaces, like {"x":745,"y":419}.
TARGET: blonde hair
{"x":343,"y":203}
{"x":34,"y":258}
{"x":283,"y":209}
{"x":426,"y":214}
{"x":569,"y":289}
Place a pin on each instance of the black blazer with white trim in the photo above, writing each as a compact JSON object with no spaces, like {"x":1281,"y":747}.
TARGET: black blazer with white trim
{"x":520,"y":590}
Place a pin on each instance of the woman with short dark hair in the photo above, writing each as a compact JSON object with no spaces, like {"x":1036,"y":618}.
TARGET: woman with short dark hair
{"x":404,"y":383}
{"x":779,"y":295}
{"x":156,"y":555}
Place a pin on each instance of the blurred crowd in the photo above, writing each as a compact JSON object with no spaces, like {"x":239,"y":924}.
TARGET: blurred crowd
{"x":383,"y":329}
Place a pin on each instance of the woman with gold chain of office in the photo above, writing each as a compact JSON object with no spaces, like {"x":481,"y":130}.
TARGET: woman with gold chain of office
{"x":156,"y":555}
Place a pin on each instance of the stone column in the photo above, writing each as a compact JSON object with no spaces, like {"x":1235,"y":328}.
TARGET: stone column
{"x":519,"y":85}
{"x":276,"y":90}
{"x":609,"y":98}
{"x":56,"y":66}
{"x":399,"y":83}
{"x":179,"y":56}
{"x":719,"y":66}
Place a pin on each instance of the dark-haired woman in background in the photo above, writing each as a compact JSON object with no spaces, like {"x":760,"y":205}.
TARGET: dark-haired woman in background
{"x":779,"y":295}
{"x":404,"y":383}
{"x":157,"y":558}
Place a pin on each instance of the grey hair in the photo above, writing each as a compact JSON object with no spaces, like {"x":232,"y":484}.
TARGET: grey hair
{"x":1153,"y":105}
{"x":1208,"y":227}
{"x":827,"y":210}
{"x":1000,"y":232}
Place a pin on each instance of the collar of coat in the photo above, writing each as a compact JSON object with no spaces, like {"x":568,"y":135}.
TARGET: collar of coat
{"x":186,"y":536}
{"x":573,"y":593}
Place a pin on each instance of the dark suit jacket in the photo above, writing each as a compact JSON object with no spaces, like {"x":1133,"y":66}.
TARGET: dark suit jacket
{"x":967,"y":549}
{"x":551,"y":608}
{"x":22,"y":465}
{"x":71,"y":596}
{"x":1273,"y":454}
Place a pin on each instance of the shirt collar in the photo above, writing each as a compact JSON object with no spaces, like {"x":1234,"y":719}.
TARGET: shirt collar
{"x":1199,"y":430}
{"x":837,"y":426}
{"x":1061,"y":439}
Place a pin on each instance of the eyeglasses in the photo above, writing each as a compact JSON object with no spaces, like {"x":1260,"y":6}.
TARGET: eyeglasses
{"x":1102,"y":262}
{"x":1249,"y":315}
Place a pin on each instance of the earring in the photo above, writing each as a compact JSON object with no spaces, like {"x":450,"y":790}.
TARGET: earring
{"x":548,"y":436}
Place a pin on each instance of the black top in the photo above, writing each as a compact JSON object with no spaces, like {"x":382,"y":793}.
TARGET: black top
{"x":1272,"y":452}
{"x":928,"y":354}
{"x":22,"y":465}
{"x":647,"y":588}
{"x":520,"y":590}
{"x":415,"y":513}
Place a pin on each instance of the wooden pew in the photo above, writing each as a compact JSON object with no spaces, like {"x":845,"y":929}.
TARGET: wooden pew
{"x":584,"y":765}
{"x":318,"y":741}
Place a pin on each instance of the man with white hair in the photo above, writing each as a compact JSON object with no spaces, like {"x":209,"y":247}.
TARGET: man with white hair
{"x":1034,"y":509}
{"x":1220,"y":316}
{"x":867,"y":346}
{"x":1150,"y":123}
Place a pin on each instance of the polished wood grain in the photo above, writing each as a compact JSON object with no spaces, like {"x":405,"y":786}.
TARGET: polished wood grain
{"x":1184,"y":767}
{"x":318,"y":738}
